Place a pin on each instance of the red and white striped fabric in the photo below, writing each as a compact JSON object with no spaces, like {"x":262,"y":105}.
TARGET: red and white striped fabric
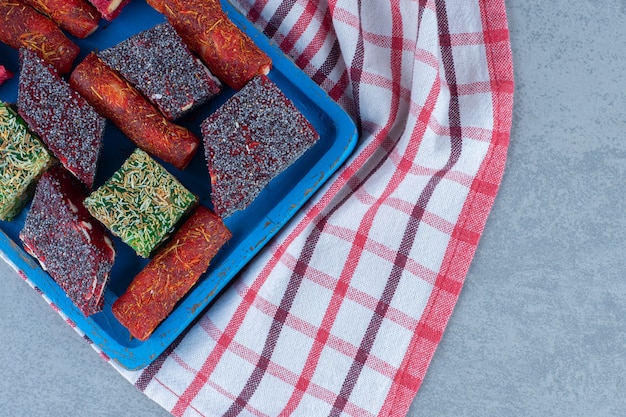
{"x":342,"y":313}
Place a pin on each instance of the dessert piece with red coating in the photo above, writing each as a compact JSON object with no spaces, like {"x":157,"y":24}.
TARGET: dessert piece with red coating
{"x":5,"y":74}
{"x":69,"y":244}
{"x":23,"y":158}
{"x":254,"y":136}
{"x":78,"y":17}
{"x":158,"y":63}
{"x":175,"y":269}
{"x":62,"y":118}
{"x":141,"y":203}
{"x":117,"y":100}
{"x":23,"y":26}
{"x":229,"y":53}
{"x":109,"y":9}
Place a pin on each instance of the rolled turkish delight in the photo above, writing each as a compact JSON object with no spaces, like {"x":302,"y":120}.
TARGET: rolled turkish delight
{"x":175,"y":269}
{"x":117,"y":100}
{"x":69,"y":126}
{"x":160,"y":65}
{"x":249,"y":140}
{"x":69,"y":244}
{"x":141,"y":203}
{"x":5,"y":74}
{"x":229,"y":53}
{"x":78,"y":17}
{"x":109,"y":9}
{"x":23,"y":26}
{"x":23,"y":158}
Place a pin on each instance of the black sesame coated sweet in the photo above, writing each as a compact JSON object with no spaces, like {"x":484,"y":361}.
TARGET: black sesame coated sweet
{"x":68,"y":125}
{"x":159,"y":64}
{"x":249,"y":140}
{"x":69,"y":244}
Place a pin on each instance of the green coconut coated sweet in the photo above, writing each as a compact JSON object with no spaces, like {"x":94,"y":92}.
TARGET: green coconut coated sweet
{"x":141,"y":203}
{"x":23,"y":158}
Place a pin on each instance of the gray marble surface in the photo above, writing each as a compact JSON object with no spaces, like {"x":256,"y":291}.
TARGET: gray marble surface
{"x":540,"y":326}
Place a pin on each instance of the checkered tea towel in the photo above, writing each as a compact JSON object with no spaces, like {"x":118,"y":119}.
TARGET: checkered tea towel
{"x":343,"y":310}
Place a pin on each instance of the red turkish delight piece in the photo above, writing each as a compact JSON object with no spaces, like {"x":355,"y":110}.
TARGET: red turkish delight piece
{"x":229,"y":53}
{"x":109,"y":9}
{"x":69,"y":244}
{"x":160,"y":65}
{"x":78,"y":17}
{"x":5,"y":74}
{"x":62,"y":118}
{"x":117,"y":100}
{"x":23,"y":26}
{"x":249,"y":140}
{"x":154,"y":292}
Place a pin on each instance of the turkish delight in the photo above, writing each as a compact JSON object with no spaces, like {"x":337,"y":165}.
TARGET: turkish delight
{"x":229,"y":53}
{"x":67,"y":241}
{"x":175,"y":269}
{"x":69,"y":126}
{"x":159,"y":64}
{"x":109,"y":9}
{"x":23,"y":158}
{"x":78,"y":17}
{"x":141,"y":203}
{"x":117,"y":100}
{"x":23,"y":26}
{"x":5,"y":74}
{"x":249,"y":140}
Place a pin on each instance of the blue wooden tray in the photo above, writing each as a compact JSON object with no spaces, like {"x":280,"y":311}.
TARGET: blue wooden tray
{"x":251,"y":228}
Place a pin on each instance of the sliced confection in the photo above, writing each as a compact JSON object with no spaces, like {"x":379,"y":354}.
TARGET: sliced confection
{"x":117,"y":100}
{"x":159,"y":64}
{"x":249,"y":140}
{"x":141,"y":203}
{"x":229,"y":53}
{"x":23,"y":158}
{"x":23,"y":26}
{"x":175,"y":269}
{"x":109,"y":9}
{"x":78,"y":17}
{"x":69,"y":244}
{"x":62,"y":118}
{"x":5,"y":74}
